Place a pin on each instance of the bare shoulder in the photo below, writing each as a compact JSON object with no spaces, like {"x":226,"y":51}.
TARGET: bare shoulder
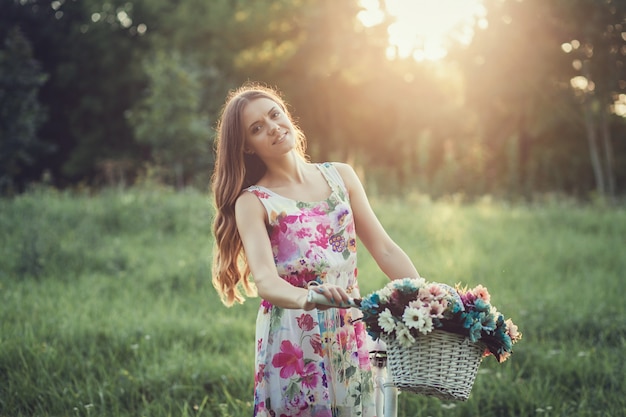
{"x":248,"y":206}
{"x":350,"y":178}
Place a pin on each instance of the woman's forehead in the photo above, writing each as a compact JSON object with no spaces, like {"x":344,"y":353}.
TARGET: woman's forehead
{"x":258,"y":108}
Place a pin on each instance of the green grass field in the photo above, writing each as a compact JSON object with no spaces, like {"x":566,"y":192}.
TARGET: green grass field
{"x":107,"y":308}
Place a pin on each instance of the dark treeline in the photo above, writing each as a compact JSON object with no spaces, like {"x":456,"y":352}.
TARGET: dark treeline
{"x":108,"y":92}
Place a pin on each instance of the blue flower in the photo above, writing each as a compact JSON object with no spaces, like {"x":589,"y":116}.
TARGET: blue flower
{"x":457,"y":307}
{"x":475,"y":331}
{"x":481,"y":305}
{"x":488,"y":322}
{"x":370,"y":305}
{"x":469,"y":319}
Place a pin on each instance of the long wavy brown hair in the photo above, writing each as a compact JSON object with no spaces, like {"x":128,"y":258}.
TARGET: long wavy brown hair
{"x":234,"y":171}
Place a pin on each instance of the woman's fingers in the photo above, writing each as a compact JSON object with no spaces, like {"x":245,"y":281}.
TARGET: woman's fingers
{"x":333,"y":293}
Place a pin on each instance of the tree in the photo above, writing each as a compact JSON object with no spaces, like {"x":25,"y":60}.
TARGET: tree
{"x":21,"y":114}
{"x":91,"y":51}
{"x":169,"y":119}
{"x":596,"y":42}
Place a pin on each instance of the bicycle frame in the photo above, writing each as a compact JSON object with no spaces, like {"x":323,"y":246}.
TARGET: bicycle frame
{"x":385,"y":393}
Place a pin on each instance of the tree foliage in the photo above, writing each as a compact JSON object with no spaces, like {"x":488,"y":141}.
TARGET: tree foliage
{"x":142,"y":81}
{"x":169,"y":119}
{"x":21,"y":114}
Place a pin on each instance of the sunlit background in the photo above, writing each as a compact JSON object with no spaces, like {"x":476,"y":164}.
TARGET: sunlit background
{"x":424,"y":29}
{"x":475,"y":97}
{"x":490,"y":137}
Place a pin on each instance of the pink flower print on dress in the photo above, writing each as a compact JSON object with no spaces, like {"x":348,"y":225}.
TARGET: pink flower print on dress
{"x":303,"y":233}
{"x":306,"y":322}
{"x":289,"y":359}
{"x":316,"y":211}
{"x":285,"y":249}
{"x":259,"y":375}
{"x":261,"y":194}
{"x":301,"y":279}
{"x":361,"y":342}
{"x":311,"y":375}
{"x":316,"y":344}
{"x":267,"y":306}
{"x":345,"y":339}
{"x":322,"y":235}
{"x":322,"y":413}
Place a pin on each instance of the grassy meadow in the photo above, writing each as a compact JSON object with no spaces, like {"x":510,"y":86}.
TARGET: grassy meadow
{"x":107,"y":308}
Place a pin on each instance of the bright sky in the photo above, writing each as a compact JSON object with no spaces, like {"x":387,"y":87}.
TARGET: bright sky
{"x":422,"y":28}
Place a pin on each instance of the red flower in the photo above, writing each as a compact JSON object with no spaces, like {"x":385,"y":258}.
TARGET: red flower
{"x":305,"y":322}
{"x":289,"y":359}
{"x":316,"y":344}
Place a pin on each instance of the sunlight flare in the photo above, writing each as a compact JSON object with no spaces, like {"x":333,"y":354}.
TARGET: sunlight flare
{"x":424,"y":29}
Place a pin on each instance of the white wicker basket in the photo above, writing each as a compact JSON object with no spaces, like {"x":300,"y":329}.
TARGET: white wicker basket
{"x":440,"y":364}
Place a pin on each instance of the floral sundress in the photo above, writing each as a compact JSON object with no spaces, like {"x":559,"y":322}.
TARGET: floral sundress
{"x":312,"y":363}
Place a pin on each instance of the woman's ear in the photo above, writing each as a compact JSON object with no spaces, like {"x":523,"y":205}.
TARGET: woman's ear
{"x":248,"y":151}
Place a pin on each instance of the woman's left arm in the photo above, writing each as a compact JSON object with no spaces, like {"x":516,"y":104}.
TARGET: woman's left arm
{"x":390,"y":257}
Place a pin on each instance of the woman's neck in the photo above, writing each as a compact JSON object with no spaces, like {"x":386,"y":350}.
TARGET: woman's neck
{"x":290,"y":169}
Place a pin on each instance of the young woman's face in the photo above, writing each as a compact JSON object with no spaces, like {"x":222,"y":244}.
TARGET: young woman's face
{"x":269,"y":131}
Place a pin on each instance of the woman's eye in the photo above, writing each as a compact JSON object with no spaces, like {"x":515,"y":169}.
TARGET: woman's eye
{"x":255,"y":129}
{"x":276,"y":114}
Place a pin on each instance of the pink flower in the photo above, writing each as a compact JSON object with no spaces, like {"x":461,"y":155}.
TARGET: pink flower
{"x":302,"y":233}
{"x":261,"y":194}
{"x":323,"y":233}
{"x":481,"y":292}
{"x":267,"y":306}
{"x":436,"y":309}
{"x":306,"y":322}
{"x":359,"y":331}
{"x":468,"y":298}
{"x":289,"y":359}
{"x":344,"y":338}
{"x":316,"y":344}
{"x":259,"y":375}
{"x":424,"y":295}
{"x":310,"y":375}
{"x":436,"y":291}
{"x":512,"y":330}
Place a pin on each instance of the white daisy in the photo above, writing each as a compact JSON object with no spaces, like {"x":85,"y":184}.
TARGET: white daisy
{"x":384,"y":294}
{"x":414,"y":317}
{"x":427,"y":326}
{"x":386,"y":321}
{"x":404,"y":336}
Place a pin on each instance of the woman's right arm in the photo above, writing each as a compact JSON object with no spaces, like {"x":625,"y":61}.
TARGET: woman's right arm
{"x":250,"y":218}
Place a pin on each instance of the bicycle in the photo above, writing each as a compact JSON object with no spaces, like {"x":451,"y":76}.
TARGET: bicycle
{"x":385,"y":393}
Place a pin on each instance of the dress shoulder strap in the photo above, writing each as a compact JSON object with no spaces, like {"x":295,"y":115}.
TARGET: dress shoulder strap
{"x":333,"y":176}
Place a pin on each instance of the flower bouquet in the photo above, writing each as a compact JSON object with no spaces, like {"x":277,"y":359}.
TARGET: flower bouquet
{"x":437,"y":335}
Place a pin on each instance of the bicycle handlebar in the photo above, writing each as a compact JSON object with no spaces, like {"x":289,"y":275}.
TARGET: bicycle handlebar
{"x":317,"y":298}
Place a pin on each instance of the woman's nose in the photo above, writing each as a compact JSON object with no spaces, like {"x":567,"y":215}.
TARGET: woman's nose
{"x":273,"y":127}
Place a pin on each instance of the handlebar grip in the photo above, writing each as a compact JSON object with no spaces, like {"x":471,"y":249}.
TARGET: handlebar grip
{"x":317,"y":298}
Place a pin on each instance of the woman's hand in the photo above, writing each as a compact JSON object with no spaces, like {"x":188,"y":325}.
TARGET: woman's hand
{"x":334,"y":295}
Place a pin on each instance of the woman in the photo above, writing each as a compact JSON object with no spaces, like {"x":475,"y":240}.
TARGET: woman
{"x":292,"y":225}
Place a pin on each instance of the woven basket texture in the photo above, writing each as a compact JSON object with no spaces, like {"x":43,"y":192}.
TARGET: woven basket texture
{"x":440,"y":364}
